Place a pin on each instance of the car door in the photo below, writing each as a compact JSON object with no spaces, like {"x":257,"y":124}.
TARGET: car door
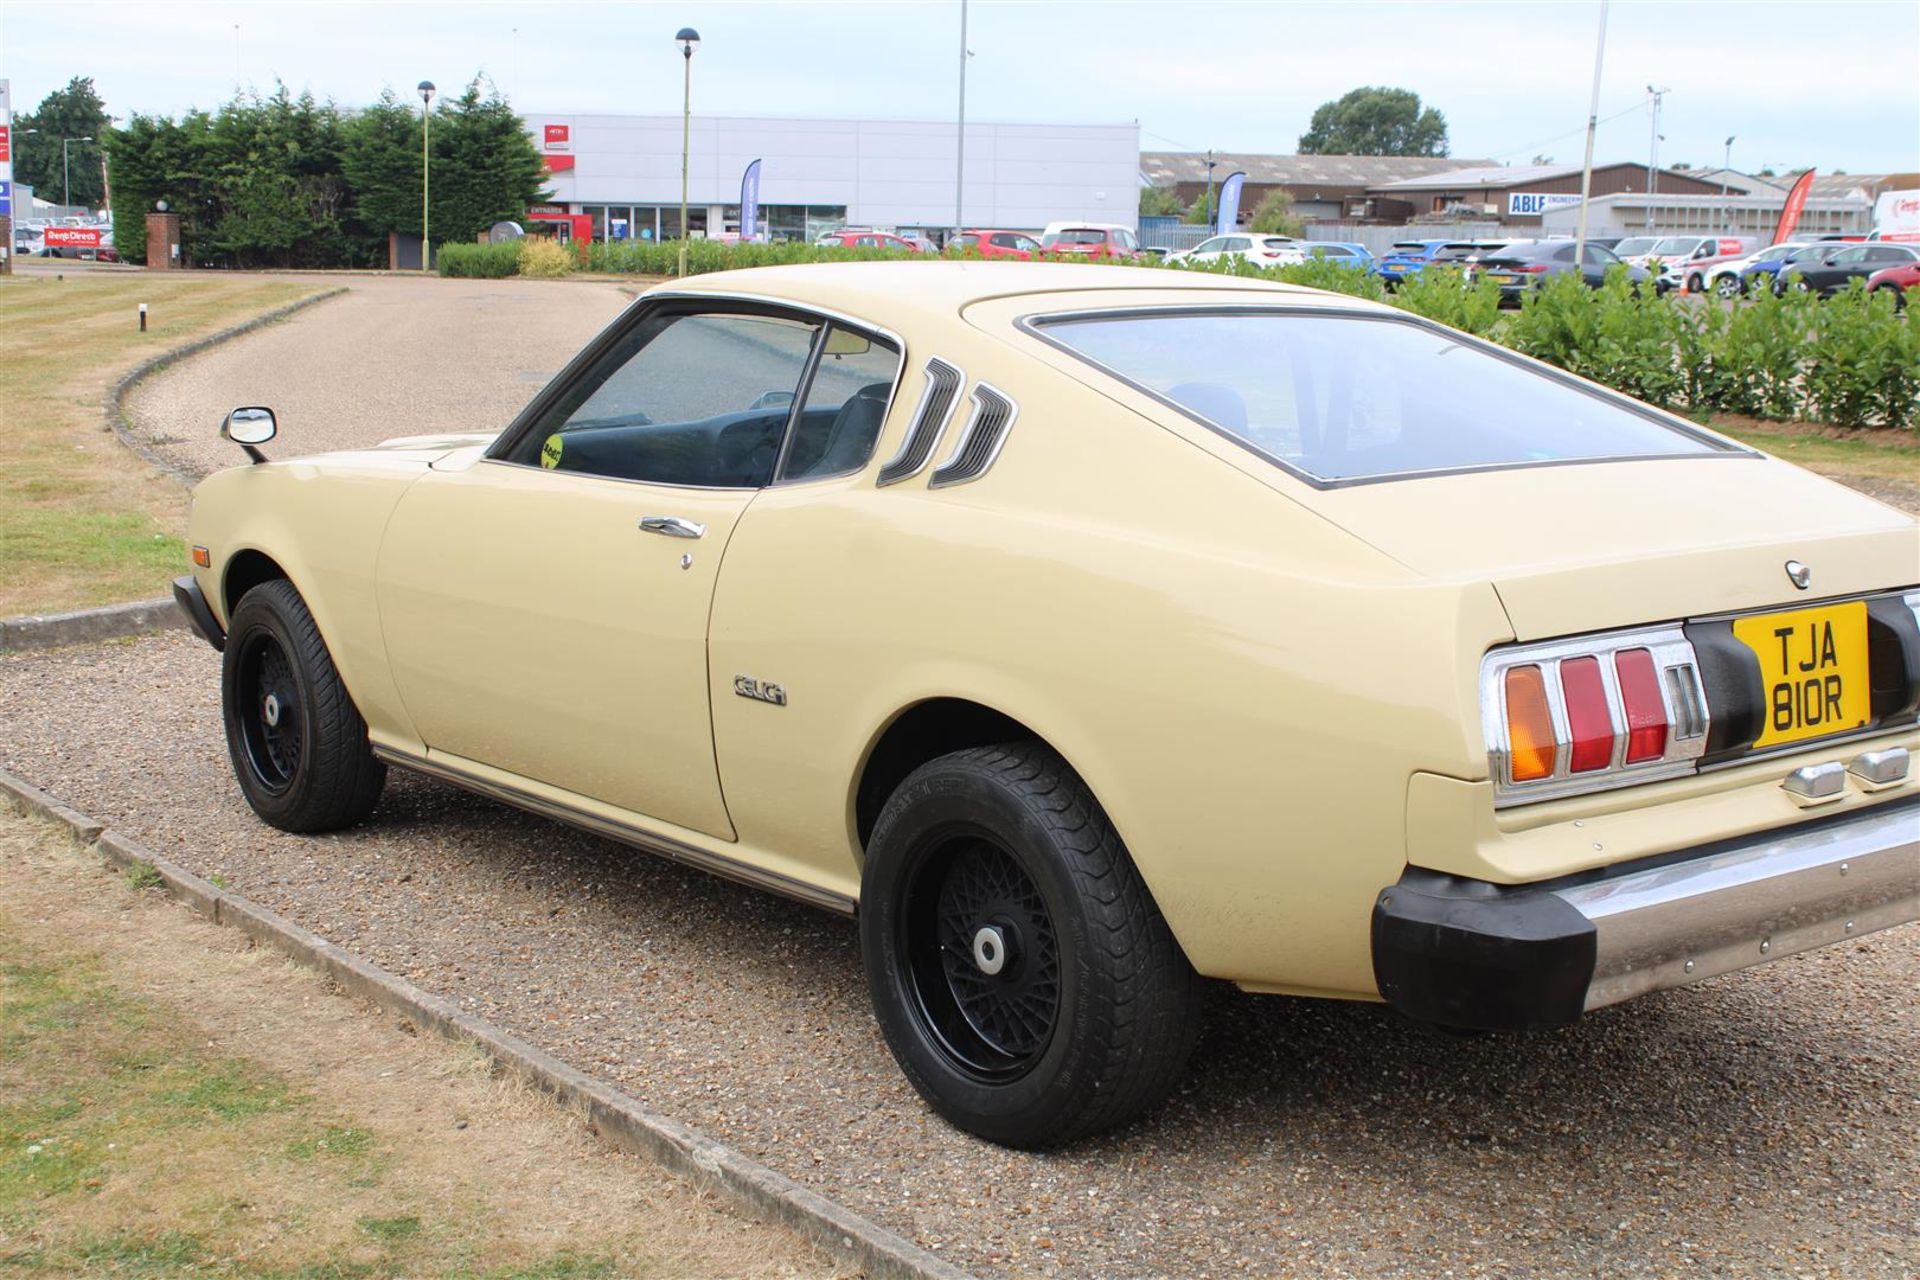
{"x":545,"y":609}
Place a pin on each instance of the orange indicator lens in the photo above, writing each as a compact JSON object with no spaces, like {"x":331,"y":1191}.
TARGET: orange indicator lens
{"x":1529,"y":725}
{"x":201,"y":558}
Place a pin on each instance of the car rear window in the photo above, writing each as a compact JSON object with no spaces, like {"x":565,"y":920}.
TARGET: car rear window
{"x":1341,"y":399}
{"x":1076,"y":235}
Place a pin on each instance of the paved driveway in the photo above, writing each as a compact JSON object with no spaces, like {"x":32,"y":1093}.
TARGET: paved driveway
{"x":394,"y":356}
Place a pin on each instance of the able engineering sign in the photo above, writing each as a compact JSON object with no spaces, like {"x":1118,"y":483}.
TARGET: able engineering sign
{"x":1531,"y":204}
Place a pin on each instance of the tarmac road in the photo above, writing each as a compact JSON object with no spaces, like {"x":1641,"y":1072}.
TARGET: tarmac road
{"x":394,"y":356}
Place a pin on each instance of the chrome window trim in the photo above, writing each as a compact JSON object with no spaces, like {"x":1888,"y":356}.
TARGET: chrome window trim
{"x":1035,"y":324}
{"x":1674,"y":659}
{"x":918,"y":431}
{"x":948,"y":473}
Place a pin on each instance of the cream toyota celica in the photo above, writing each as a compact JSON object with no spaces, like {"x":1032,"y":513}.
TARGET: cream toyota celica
{"x":1089,"y":632}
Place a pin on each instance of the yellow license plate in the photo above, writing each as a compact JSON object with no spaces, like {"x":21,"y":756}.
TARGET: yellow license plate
{"x":1813,"y":665}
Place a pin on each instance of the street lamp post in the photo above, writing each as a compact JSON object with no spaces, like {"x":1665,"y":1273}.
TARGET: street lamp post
{"x":1210,"y":163}
{"x":66,"y":177}
{"x":1653,"y":150}
{"x":1725,"y":164}
{"x":426,"y":164}
{"x":688,"y":38}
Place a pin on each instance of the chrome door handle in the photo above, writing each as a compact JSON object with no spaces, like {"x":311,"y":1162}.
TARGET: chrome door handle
{"x":673,"y":526}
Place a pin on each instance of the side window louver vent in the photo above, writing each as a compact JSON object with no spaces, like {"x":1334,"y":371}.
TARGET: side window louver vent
{"x":937,"y":401}
{"x":986,"y":430}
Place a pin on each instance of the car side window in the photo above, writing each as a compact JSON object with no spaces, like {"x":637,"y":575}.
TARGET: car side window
{"x":846,"y":404}
{"x":1211,"y":246}
{"x":1597,"y":256}
{"x":1027,"y":243}
{"x":681,"y":399}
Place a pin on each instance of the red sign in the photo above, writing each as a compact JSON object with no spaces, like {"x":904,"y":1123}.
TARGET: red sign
{"x":1796,"y":201}
{"x":6,"y":144}
{"x":558,"y":137}
{"x":73,"y":237}
{"x":558,"y":164}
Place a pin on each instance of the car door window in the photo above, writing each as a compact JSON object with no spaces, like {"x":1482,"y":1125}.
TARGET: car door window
{"x":681,"y":399}
{"x":1212,"y":246}
{"x":846,"y":403}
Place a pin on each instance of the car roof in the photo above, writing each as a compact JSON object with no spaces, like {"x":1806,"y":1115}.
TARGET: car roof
{"x":875,"y":291}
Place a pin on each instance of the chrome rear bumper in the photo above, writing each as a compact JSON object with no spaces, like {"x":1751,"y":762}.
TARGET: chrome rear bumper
{"x":1472,"y":954}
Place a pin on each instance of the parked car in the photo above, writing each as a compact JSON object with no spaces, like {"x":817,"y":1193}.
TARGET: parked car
{"x":850,"y":239}
{"x":1853,"y":262}
{"x":1766,"y":271}
{"x":1466,"y":254}
{"x":991,"y":243}
{"x":1634,"y":249}
{"x":1684,"y":261}
{"x":1724,"y":277}
{"x":1406,"y":258}
{"x":1261,"y":250}
{"x":1086,"y":632}
{"x":1897,"y":280}
{"x":1357,"y":256}
{"x":1526,"y":264}
{"x":1090,"y":239}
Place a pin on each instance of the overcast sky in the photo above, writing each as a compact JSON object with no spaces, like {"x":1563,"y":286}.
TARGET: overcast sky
{"x":1831,"y":83}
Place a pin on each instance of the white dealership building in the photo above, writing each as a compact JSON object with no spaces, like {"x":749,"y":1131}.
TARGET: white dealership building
{"x":624,"y":172}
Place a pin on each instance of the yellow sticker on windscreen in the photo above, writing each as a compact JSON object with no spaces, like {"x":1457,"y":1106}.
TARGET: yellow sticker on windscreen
{"x":550,"y":451}
{"x":1813,"y":666}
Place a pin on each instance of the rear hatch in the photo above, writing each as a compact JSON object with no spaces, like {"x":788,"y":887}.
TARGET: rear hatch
{"x":1584,"y":548}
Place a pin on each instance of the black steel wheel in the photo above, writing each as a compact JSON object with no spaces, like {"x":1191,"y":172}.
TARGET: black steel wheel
{"x":982,"y":956}
{"x":298,"y":744}
{"x":1021,"y":973}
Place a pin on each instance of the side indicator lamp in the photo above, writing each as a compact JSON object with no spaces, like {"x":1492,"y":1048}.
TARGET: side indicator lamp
{"x":202,"y":558}
{"x":1530,"y":741}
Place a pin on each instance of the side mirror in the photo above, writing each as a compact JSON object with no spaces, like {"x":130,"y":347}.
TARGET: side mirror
{"x":248,"y":427}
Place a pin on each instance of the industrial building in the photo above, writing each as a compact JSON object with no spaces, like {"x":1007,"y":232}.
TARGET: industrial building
{"x":624,"y":172}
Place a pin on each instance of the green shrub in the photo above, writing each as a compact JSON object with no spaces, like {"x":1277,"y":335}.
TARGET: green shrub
{"x":1757,"y":361}
{"x":481,"y":261}
{"x":1446,"y":295}
{"x":1556,"y":323}
{"x":1636,"y":343}
{"x":662,"y":257}
{"x":1861,"y":364}
{"x":542,"y":258}
{"x":1328,"y":274}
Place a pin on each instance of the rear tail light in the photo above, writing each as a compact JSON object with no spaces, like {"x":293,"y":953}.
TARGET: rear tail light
{"x":1574,"y":716}
{"x":1530,"y":268}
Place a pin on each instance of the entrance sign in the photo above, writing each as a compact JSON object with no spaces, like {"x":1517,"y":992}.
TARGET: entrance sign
{"x":1534,"y":203}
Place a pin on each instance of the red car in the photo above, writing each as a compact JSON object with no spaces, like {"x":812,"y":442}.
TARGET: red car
{"x":1898,"y":279}
{"x":867,"y":240}
{"x":993,"y":243}
{"x":1090,"y":239}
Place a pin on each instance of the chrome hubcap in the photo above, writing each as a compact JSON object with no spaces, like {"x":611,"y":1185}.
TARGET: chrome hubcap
{"x":270,"y":709}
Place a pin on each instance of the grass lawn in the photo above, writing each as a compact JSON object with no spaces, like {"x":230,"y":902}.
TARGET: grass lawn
{"x":82,"y":520}
{"x":173,"y":1103}
{"x":1884,"y":463}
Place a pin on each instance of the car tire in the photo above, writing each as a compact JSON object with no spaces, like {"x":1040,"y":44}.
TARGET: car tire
{"x":1728,"y":287}
{"x":1695,"y":284}
{"x":1022,"y":975}
{"x":298,"y":744}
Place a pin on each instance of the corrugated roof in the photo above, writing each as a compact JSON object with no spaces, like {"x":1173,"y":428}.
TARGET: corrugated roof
{"x":1165,"y":168}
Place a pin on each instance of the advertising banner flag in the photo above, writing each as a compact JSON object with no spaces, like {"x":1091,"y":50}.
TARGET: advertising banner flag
{"x":1796,"y":201}
{"x":1229,"y":203}
{"x":750,"y":201}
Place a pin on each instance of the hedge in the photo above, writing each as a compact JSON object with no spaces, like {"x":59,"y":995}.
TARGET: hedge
{"x":1849,"y":361}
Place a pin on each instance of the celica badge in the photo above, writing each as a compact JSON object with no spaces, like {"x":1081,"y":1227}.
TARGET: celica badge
{"x":760,"y":690}
{"x":1800,"y":574}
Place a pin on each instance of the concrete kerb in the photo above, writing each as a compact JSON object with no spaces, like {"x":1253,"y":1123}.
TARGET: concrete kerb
{"x":618,"y":1119}
{"x":85,"y":626}
{"x":116,"y":397}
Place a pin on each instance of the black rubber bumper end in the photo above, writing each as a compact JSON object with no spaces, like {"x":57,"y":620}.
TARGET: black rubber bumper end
{"x":193,"y":603}
{"x":1461,"y":953}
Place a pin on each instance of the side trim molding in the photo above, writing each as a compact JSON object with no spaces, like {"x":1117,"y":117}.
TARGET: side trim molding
{"x":647,"y":841}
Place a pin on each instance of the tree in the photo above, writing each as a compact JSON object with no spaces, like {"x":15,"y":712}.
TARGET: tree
{"x":1161,"y":202}
{"x":1375,"y":121}
{"x":73,"y":112}
{"x":1274,"y":216}
{"x":486,"y":168}
{"x":1200,"y":212}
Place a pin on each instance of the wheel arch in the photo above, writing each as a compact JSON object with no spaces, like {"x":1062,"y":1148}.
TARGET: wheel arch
{"x":923,"y":731}
{"x":245,"y":570}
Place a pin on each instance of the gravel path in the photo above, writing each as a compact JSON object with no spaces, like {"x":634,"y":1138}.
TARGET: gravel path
{"x":1757,"y":1125}
{"x":392,"y":357}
